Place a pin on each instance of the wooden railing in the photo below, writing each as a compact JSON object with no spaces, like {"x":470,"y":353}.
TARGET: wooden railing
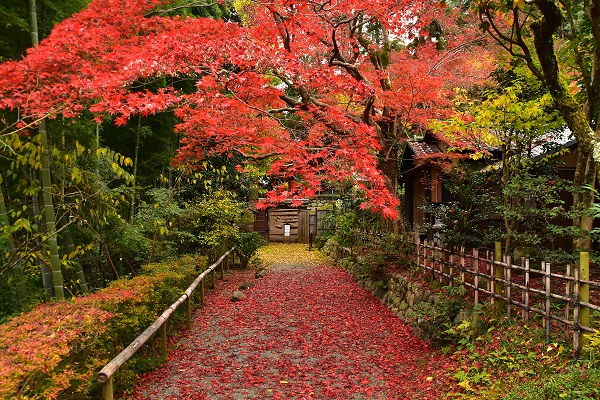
{"x":562,"y":299}
{"x":105,"y":376}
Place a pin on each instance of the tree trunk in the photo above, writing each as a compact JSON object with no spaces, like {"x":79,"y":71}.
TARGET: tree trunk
{"x":45,"y":270}
{"x":585,"y":174}
{"x":57,"y":278}
{"x":573,"y":114}
{"x":66,"y":235}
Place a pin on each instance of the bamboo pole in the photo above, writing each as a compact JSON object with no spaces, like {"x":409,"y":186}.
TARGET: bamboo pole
{"x":418,"y":241}
{"x":107,"y":389}
{"x":425,"y":254}
{"x":451,"y":269}
{"x":163,"y":340}
{"x":445,"y":267}
{"x":584,"y":292}
{"x":462,"y":265}
{"x":492,"y":282}
{"x":567,"y":291}
{"x":576,"y":307}
{"x":498,"y":273}
{"x":526,"y":294}
{"x":490,"y":271}
{"x":202,"y":293}
{"x":476,"y":274}
{"x":507,"y":272}
{"x":188,"y":312}
{"x":547,"y":307}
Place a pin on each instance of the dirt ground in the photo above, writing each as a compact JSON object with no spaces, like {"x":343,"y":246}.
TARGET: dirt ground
{"x":306,"y":330}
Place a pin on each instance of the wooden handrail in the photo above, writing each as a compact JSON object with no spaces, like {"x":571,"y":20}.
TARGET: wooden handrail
{"x":105,"y":375}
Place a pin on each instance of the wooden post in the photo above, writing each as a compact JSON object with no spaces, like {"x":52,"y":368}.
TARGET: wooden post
{"x":476,"y":274}
{"x":451,"y":269}
{"x":107,"y":389}
{"x":425,"y":255}
{"x":499,"y":274}
{"x":508,"y":287}
{"x":584,"y":293}
{"x":418,"y":242}
{"x":462,"y":265}
{"x":163,"y":340}
{"x":202,"y":293}
{"x":490,"y":272}
{"x":547,"y":319}
{"x":213,"y":275}
{"x":222,"y":264}
{"x":492,"y":282}
{"x":526,"y":294}
{"x":567,"y":291}
{"x":188,"y":312}
{"x":576,"y":326}
{"x":445,"y":268}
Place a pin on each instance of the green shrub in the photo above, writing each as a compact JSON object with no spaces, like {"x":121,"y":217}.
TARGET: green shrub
{"x":56,"y":350}
{"x":247,"y":244}
{"x":434,"y":318}
{"x":573,"y":385}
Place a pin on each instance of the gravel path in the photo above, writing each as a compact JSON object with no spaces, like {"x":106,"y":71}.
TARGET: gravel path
{"x":305,"y":331}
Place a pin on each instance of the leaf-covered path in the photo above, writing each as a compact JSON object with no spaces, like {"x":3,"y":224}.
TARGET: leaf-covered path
{"x":307,"y":330}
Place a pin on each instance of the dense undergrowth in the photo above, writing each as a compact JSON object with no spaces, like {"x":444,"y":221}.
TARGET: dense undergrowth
{"x":56,"y":350}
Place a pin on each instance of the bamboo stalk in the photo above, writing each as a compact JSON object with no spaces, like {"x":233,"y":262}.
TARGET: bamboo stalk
{"x":107,"y":389}
{"x":576,"y":325}
{"x":526,"y":299}
{"x":507,"y":272}
{"x":584,"y":292}
{"x":188,"y":312}
{"x":498,"y":273}
{"x":548,"y":288}
{"x":202,"y":293}
{"x":424,"y":246}
{"x":476,"y":274}
{"x":163,"y":340}
{"x":462,"y":265}
{"x":567,"y":291}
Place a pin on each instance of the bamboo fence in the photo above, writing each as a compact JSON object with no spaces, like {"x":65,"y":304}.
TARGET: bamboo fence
{"x":105,"y":376}
{"x":562,"y":299}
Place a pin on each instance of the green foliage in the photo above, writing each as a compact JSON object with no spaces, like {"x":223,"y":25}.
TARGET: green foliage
{"x":214,"y":220}
{"x":434,"y":318}
{"x":462,"y":218}
{"x":248,"y":243}
{"x":573,"y":385}
{"x":56,"y":350}
{"x":507,"y":352}
{"x":592,"y":347}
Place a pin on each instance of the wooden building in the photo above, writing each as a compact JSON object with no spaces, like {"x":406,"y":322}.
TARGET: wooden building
{"x":287,"y":224}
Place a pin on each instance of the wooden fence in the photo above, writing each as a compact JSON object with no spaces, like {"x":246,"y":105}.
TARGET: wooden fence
{"x":561,"y":298}
{"x":106,"y":374}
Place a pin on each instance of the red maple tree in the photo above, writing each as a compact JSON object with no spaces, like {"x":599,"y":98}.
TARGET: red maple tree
{"x":324,"y":90}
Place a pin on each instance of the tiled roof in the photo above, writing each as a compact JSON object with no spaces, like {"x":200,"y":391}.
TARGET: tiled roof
{"x":422,"y":148}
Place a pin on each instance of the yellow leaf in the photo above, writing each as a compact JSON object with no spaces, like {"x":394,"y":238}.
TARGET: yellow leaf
{"x":283,"y":382}
{"x":519,"y":3}
{"x":465,"y":384}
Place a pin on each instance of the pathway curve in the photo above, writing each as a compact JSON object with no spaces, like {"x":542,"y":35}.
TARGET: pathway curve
{"x":307,"y":330}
